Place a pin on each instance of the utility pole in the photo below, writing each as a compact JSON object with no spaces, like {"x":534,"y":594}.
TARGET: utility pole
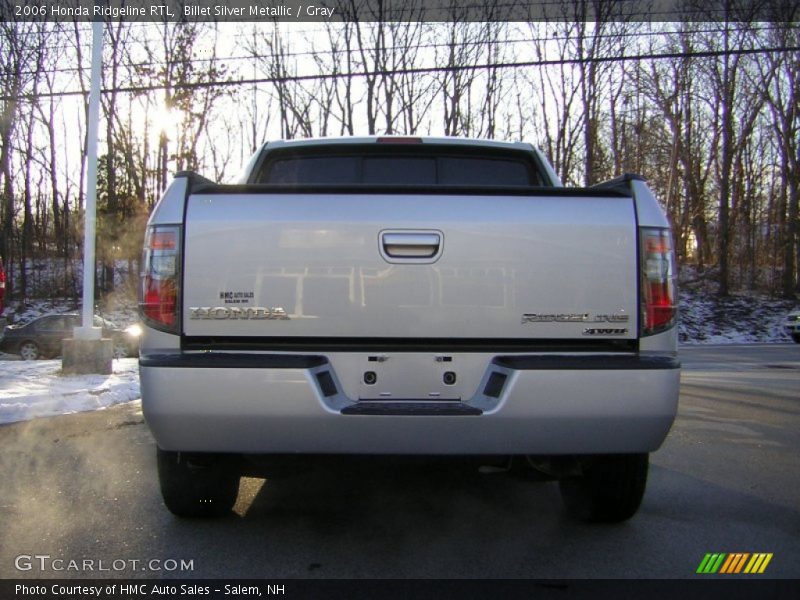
{"x":87,"y":352}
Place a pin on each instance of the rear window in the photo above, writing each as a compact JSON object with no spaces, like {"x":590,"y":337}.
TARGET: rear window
{"x":309,"y":169}
{"x":483,"y":171}
{"x":400,"y":170}
{"x":52,"y":324}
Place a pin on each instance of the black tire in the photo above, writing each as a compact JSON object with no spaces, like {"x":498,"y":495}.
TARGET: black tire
{"x":796,"y":338}
{"x":29,"y":350}
{"x":198,"y":485}
{"x":610,"y":489}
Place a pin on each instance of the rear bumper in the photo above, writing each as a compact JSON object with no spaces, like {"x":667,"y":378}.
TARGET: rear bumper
{"x":530,"y":404}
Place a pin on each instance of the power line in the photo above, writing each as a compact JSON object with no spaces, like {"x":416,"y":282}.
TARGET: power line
{"x":636,"y":35}
{"x":412,"y":71}
{"x":637,"y":32}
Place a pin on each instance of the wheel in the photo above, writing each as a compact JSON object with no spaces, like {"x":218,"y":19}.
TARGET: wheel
{"x":120,"y":350}
{"x":29,"y":350}
{"x":197,"y":485}
{"x":796,"y":338}
{"x":609,"y":490}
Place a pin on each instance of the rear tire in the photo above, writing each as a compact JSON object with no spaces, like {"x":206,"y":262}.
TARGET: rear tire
{"x":29,"y":350}
{"x":197,"y":485}
{"x":610,"y":489}
{"x":796,"y":338}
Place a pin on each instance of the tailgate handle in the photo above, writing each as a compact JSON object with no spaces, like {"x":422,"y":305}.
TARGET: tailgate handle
{"x":411,"y":245}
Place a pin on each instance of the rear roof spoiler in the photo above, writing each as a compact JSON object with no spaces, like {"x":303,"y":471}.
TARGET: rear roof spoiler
{"x":619,"y":184}
{"x":195,"y":181}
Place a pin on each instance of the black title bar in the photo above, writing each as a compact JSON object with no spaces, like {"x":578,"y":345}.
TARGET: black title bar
{"x":733,"y":588}
{"x":286,"y":11}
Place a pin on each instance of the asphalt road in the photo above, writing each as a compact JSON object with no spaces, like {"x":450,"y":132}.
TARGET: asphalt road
{"x":83,"y":487}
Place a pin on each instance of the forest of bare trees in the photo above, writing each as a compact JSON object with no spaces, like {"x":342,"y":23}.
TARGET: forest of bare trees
{"x":708,"y":112}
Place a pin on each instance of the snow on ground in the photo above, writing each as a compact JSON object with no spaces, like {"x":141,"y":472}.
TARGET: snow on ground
{"x":30,"y":389}
{"x":739,"y":319}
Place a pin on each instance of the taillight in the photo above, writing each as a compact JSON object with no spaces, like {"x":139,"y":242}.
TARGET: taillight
{"x":160,"y":278}
{"x":659,"y":308}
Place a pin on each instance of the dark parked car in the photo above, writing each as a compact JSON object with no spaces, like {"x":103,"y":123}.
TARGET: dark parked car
{"x":2,"y":287}
{"x":41,"y":338}
{"x":792,"y":325}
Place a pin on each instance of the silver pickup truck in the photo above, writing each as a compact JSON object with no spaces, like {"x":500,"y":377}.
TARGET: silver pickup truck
{"x":408,"y":296}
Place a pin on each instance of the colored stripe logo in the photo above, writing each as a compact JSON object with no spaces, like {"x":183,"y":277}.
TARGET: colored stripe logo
{"x":734,"y":563}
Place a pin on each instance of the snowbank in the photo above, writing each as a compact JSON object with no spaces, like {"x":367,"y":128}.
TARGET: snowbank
{"x":30,"y":389}
{"x":739,"y":319}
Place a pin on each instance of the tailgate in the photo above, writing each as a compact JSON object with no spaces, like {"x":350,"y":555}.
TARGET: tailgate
{"x":410,"y":266}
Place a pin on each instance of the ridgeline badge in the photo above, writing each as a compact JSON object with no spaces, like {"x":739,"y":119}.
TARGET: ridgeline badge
{"x":573,"y":318}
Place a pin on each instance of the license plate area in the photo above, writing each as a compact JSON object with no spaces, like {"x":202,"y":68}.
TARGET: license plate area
{"x":409,"y":377}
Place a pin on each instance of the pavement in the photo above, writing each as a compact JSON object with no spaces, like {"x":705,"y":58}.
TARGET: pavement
{"x":83,"y":487}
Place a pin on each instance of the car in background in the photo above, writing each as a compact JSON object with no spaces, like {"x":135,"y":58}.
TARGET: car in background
{"x":2,"y":298}
{"x":792,"y":325}
{"x":42,"y":337}
{"x":2,"y":287}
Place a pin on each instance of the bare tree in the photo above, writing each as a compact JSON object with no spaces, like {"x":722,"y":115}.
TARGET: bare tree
{"x":551,"y":95}
{"x":737,"y":107}
{"x":415,"y":95}
{"x":22,"y":65}
{"x":460,"y":59}
{"x":782,"y":95}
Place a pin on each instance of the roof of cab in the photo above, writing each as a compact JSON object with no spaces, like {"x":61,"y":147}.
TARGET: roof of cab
{"x":399,"y":138}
